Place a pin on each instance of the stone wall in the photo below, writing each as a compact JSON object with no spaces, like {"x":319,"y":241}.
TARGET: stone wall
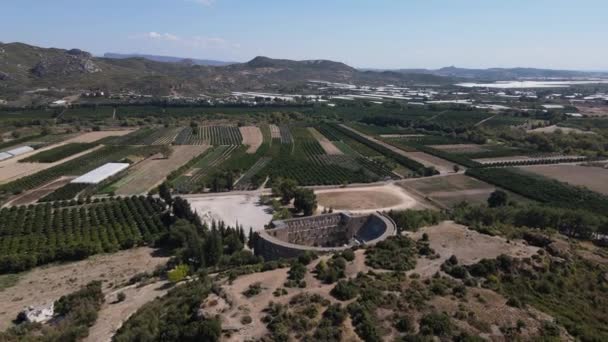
{"x":321,"y":234}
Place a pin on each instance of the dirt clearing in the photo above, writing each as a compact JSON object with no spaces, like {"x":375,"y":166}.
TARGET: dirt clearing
{"x":153,"y":171}
{"x":591,"y":177}
{"x":232,"y":209}
{"x":252,"y":137}
{"x":366,"y":199}
{"x":469,"y":246}
{"x":44,"y":285}
{"x":327,"y":145}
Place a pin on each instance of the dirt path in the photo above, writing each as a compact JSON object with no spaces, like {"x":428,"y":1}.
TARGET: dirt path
{"x":252,"y":137}
{"x":44,"y":285}
{"x":327,"y":145}
{"x":113,"y":314}
{"x":94,"y":136}
{"x":443,"y":166}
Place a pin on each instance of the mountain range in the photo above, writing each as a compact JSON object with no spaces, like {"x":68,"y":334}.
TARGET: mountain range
{"x":25,"y":67}
{"x":168,"y":59}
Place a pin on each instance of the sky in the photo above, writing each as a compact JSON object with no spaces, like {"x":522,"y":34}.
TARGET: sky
{"x":559,"y":34}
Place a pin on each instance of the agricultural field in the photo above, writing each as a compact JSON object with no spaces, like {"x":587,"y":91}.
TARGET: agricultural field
{"x":306,"y":162}
{"x":460,"y":118}
{"x":194,"y":178}
{"x":149,"y":173}
{"x":12,"y":170}
{"x":591,"y":177}
{"x":38,"y":235}
{"x":95,"y":136}
{"x":32,"y":196}
{"x":209,"y":135}
{"x":448,"y":191}
{"x":65,"y":193}
{"x":367,"y":199}
{"x":77,"y":166}
{"x":325,"y":143}
{"x":58,"y":153}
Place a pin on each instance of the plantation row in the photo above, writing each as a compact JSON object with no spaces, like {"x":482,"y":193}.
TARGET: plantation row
{"x":413,"y":165}
{"x":543,"y":189}
{"x":209,"y":135}
{"x":538,"y":162}
{"x":78,"y":166}
{"x":286,"y":137}
{"x":66,"y":192}
{"x":58,"y":153}
{"x":251,"y":178}
{"x":341,"y":140}
{"x":36,"y":235}
{"x":454,"y":158}
{"x":134,"y":138}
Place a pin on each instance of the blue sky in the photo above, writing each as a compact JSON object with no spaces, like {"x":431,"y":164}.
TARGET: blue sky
{"x":562,"y":34}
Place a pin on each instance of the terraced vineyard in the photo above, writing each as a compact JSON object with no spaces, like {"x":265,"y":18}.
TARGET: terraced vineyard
{"x":58,"y":153}
{"x":37,"y":235}
{"x":209,"y":135}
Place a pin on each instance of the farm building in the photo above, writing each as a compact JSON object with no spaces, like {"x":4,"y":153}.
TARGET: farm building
{"x":101,"y":173}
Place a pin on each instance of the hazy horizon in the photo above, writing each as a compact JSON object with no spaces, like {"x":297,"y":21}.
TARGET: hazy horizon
{"x":430,"y":34}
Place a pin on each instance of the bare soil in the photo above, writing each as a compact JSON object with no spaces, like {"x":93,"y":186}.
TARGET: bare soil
{"x":153,"y":171}
{"x":44,"y":285}
{"x":232,"y":209}
{"x":593,"y":178}
{"x":325,"y":143}
{"x":366,"y":199}
{"x":252,"y":137}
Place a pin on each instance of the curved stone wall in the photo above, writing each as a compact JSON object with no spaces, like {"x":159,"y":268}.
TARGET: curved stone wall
{"x":322,"y":234}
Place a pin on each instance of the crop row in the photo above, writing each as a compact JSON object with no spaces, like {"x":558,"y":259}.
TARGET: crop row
{"x":543,"y":189}
{"x":193,"y":178}
{"x":58,"y":153}
{"x":209,"y":135}
{"x":36,"y":235}
{"x":66,"y":192}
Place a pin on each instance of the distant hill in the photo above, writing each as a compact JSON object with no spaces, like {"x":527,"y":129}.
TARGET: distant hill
{"x":24,"y":67}
{"x":168,"y":59}
{"x":504,"y":74}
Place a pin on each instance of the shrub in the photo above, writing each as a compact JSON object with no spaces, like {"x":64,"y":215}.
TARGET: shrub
{"x":438,"y":324}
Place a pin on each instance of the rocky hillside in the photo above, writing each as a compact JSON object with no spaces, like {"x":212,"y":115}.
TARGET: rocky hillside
{"x":24,"y":67}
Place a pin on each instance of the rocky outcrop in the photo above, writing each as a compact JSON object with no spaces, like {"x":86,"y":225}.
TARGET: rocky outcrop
{"x":71,"y":62}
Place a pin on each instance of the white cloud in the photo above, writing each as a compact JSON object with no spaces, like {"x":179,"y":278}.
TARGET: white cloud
{"x":190,"y":42}
{"x":207,"y":3}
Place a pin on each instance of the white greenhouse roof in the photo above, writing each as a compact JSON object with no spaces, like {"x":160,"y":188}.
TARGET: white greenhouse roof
{"x":20,"y":150}
{"x":99,"y":174}
{"x":4,"y":155}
